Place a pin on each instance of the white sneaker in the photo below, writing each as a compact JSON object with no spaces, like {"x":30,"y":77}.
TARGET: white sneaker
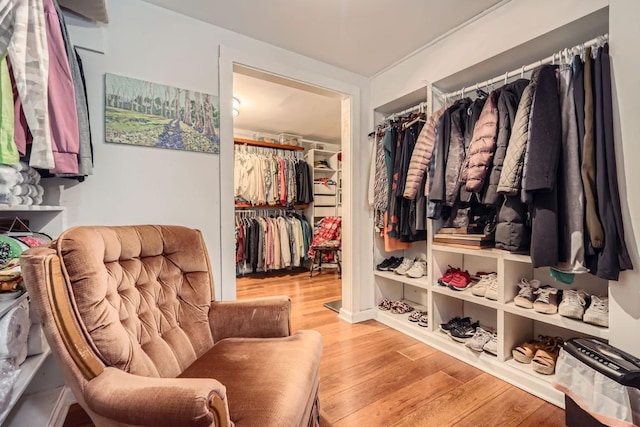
{"x":598,"y":311}
{"x":480,"y":288}
{"x":492,"y":288}
{"x":491,"y":346}
{"x":573,"y":303}
{"x":526,"y":295}
{"x":418,"y":269}
{"x":478,"y":340}
{"x":404,"y":267}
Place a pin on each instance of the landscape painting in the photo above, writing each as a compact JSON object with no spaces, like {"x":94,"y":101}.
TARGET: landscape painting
{"x":155,"y":115}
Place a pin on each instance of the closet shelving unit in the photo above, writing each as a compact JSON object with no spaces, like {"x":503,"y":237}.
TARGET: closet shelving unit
{"x":39,"y":396}
{"x":514,"y":325}
{"x":327,"y":199}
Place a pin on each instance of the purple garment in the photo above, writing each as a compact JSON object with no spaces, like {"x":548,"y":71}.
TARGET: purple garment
{"x":63,"y":115}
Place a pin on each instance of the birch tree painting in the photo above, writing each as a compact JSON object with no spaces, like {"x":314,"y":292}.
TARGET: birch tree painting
{"x":155,"y":115}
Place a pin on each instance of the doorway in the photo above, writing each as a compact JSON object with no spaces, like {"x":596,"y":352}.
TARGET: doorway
{"x":287,"y":177}
{"x":230,"y":62}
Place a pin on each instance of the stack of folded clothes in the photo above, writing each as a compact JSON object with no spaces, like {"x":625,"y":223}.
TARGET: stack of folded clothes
{"x":20,"y":185}
{"x":11,"y":286}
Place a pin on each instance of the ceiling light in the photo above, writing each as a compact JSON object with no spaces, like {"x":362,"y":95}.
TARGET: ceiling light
{"x":236,"y":103}
{"x":236,"y":112}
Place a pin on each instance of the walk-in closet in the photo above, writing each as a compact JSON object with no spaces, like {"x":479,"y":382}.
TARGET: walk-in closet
{"x":287,"y":172}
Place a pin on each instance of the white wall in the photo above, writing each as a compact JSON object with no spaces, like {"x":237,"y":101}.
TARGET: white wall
{"x":624,"y":44}
{"x":501,"y":30}
{"x":147,"y":185}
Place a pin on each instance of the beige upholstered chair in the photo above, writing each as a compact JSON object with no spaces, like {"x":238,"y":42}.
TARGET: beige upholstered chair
{"x":130,"y":316}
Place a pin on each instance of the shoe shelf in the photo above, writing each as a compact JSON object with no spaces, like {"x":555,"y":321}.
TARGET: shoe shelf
{"x":527,"y":370}
{"x":421,"y":282}
{"x":560,"y":321}
{"x":400,"y":322}
{"x":465,"y":295}
{"x":486,"y":253}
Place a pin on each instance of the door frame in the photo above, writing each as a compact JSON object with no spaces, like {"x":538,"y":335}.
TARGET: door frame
{"x":350,"y":124}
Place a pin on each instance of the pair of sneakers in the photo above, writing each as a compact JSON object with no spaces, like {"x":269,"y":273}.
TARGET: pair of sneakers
{"x":574,"y":302}
{"x":483,"y":340}
{"x":487,"y":286}
{"x":389,"y":264}
{"x":455,"y":279}
{"x":413,"y":268}
{"x":460,"y":329}
{"x":533,"y":294}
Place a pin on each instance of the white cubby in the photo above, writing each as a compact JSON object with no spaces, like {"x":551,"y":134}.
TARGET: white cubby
{"x":514,"y":325}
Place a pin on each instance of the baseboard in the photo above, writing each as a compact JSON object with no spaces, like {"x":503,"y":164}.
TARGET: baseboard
{"x":358,"y":317}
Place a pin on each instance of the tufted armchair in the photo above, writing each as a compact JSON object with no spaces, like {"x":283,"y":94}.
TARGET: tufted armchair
{"x":129,"y":314}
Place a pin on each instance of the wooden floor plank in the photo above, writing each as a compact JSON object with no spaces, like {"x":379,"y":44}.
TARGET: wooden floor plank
{"x":545,"y":416}
{"x":384,"y":412}
{"x":505,"y":410}
{"x":454,"y":405}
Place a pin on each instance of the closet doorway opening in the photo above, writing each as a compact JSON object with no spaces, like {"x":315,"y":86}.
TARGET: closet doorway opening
{"x":288,"y":139}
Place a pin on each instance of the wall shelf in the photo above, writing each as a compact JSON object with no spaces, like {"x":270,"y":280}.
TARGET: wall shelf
{"x":251,"y":142}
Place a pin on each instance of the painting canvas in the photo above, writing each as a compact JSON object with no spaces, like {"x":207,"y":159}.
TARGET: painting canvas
{"x":154,"y":115}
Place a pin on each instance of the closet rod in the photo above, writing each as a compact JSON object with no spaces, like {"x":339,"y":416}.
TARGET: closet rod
{"x":520,"y":71}
{"x":420,"y":106}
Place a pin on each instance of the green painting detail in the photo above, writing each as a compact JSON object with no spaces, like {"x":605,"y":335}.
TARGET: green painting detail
{"x":154,"y":115}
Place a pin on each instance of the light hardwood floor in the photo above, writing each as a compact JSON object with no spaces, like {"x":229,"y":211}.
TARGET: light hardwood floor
{"x":372,"y":375}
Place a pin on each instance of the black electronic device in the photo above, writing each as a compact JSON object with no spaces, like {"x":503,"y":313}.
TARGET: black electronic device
{"x":606,"y":359}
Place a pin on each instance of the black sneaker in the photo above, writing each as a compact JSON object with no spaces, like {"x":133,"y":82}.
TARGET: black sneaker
{"x":464,"y":332}
{"x":395,"y":264}
{"x":453,"y":323}
{"x":384,"y":265}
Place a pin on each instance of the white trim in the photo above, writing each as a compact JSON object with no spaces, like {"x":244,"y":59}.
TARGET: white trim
{"x":227,"y":58}
{"x":361,"y":316}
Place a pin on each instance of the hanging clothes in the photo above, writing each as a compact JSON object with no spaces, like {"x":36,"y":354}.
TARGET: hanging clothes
{"x":570,"y":190}
{"x":614,"y":256}
{"x":85,"y":150}
{"x":271,"y":242}
{"x":29,"y":56}
{"x":8,"y":150}
{"x":266,"y":176}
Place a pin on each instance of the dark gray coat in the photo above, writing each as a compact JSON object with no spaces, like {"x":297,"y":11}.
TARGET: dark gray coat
{"x":507,"y":107}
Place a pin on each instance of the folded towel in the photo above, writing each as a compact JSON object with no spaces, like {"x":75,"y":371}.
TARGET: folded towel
{"x":10,"y":199}
{"x":14,"y":332}
{"x":10,"y":176}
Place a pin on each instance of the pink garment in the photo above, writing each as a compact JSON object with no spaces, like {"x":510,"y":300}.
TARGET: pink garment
{"x":63,"y":114}
{"x":21,"y":134}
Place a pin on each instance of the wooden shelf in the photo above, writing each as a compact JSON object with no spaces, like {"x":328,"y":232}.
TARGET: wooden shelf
{"x":242,"y":141}
{"x":250,"y":206}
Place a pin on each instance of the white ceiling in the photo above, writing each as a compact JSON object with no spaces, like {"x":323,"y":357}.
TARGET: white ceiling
{"x":363,"y":36}
{"x":270,"y":104}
